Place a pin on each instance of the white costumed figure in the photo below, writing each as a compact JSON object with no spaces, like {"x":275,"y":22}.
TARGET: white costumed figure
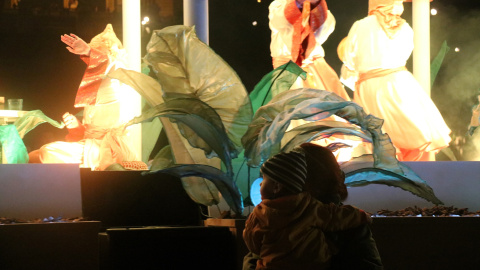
{"x":299,"y":28}
{"x":101,"y":139}
{"x":375,"y":53}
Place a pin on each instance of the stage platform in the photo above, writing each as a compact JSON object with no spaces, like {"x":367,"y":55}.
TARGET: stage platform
{"x":29,"y":191}
{"x":455,"y":183}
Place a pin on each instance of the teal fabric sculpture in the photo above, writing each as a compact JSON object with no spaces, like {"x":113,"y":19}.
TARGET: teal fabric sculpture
{"x":11,"y":136}
{"x":269,"y":126}
{"x":204,"y":109}
{"x":14,"y":151}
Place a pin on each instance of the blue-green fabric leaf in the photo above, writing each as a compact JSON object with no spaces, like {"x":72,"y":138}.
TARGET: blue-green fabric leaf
{"x":265,"y":134}
{"x":163,"y":159}
{"x":275,"y":82}
{"x":184,"y":64}
{"x":271,"y":121}
{"x":322,"y":129}
{"x":227,"y":188}
{"x":199,"y":190}
{"x":360,"y":172}
{"x":14,"y":149}
{"x":32,"y":119}
{"x":199,"y":124}
{"x":437,"y":62}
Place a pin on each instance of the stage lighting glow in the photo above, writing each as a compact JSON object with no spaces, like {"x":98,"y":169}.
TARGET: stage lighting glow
{"x":433,"y":12}
{"x":457,"y":49}
{"x":254,"y":23}
{"x":255,"y":195}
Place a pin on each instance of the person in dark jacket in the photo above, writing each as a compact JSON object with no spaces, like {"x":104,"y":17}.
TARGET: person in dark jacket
{"x":325,"y":181}
{"x":287,"y":229}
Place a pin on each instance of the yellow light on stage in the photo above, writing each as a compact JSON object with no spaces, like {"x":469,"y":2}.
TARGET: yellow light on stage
{"x":254,"y":23}
{"x":433,"y":12}
{"x":132,"y":36}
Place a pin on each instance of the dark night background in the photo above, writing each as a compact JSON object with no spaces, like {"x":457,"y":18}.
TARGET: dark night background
{"x":35,"y":66}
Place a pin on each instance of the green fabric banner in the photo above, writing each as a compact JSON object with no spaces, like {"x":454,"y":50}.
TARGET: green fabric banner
{"x":11,"y":146}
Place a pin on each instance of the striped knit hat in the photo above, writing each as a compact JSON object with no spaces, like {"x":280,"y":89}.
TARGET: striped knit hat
{"x":288,"y":169}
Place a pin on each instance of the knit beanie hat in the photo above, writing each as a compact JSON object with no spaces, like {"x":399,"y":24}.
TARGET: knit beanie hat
{"x":325,"y":179}
{"x":288,"y":169}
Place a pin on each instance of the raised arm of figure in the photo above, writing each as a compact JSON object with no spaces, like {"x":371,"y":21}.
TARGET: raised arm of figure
{"x":75,"y":44}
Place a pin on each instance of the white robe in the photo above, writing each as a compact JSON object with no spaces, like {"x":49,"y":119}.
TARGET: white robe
{"x":110,"y":111}
{"x":411,"y":118}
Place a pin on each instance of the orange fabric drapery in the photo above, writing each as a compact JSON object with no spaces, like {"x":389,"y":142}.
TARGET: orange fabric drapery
{"x":303,"y":40}
{"x":374,"y":73}
{"x":97,"y":64}
{"x":110,"y":150}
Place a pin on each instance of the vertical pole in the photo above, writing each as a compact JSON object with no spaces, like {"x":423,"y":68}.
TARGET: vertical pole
{"x":132,"y":33}
{"x":421,"y":51}
{"x":131,"y":23}
{"x":195,"y":12}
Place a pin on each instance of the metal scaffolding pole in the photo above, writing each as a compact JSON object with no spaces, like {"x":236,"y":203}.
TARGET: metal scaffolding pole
{"x":421,"y":51}
{"x":195,"y":13}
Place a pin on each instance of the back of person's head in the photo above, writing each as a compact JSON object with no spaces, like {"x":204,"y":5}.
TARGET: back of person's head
{"x":288,"y":169}
{"x":325,"y":180}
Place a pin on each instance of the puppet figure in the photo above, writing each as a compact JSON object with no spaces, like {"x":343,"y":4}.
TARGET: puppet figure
{"x":374,"y":55}
{"x":101,"y":139}
{"x":299,"y":28}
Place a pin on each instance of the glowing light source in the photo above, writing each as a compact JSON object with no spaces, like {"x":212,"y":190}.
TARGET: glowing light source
{"x":457,"y":49}
{"x":433,"y":12}
{"x":255,"y":195}
{"x":132,"y":37}
{"x":254,"y":23}
{"x":145,"y":20}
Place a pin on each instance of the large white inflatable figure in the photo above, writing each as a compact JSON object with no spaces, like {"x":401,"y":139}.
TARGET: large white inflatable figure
{"x":374,"y":55}
{"x":101,"y":138}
